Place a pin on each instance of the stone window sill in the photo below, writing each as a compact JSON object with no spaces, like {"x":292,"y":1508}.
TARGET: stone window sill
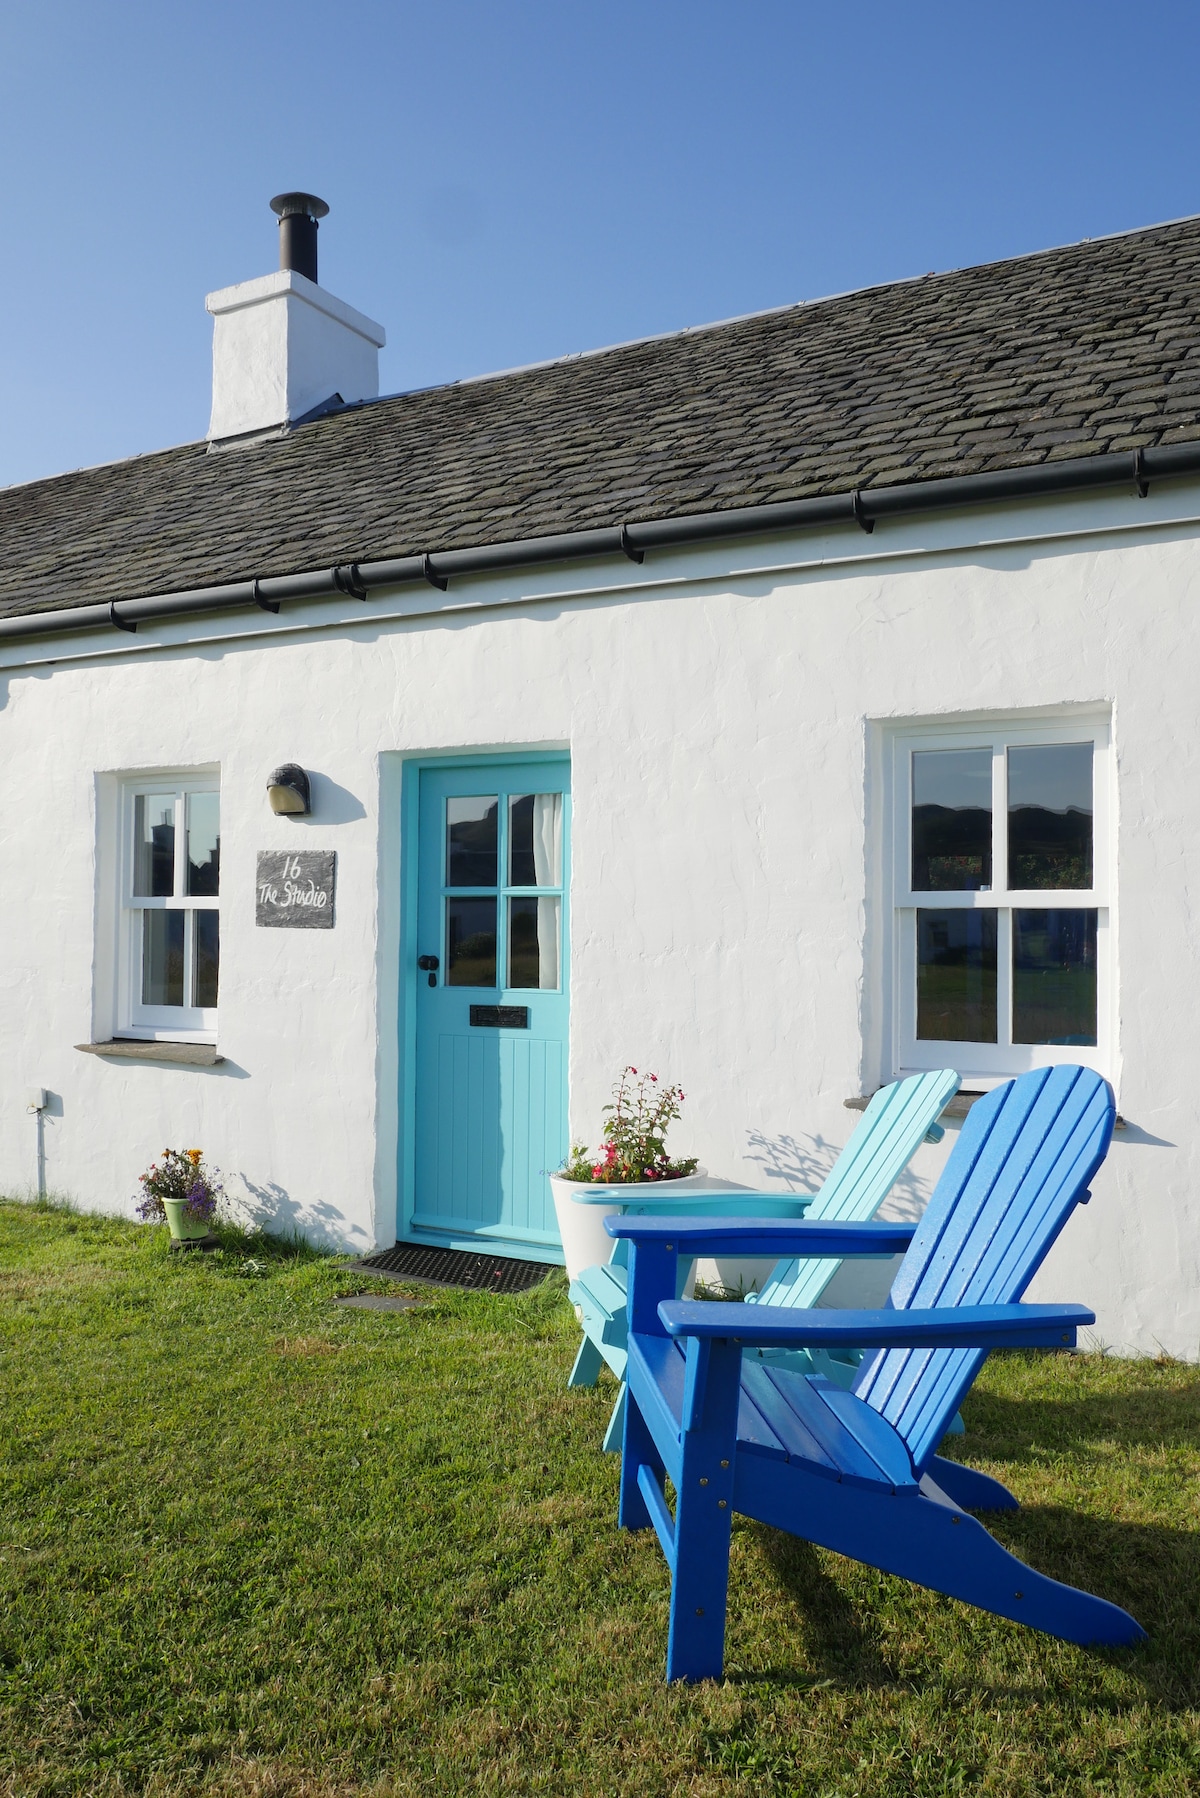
{"x":199,"y":1055}
{"x":958,"y":1106}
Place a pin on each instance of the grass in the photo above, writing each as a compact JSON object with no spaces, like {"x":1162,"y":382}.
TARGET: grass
{"x":254,"y":1543}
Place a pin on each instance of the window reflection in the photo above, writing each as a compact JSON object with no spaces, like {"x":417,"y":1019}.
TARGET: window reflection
{"x":205,"y":953}
{"x":1050,"y":816}
{"x":471,"y":834}
{"x":471,"y":942}
{"x":162,"y":958}
{"x":956,"y":976}
{"x":951,"y":820}
{"x":154,"y":845}
{"x":203,"y":843}
{"x":535,"y":840}
{"x":1054,"y":977}
{"x":533,"y":926}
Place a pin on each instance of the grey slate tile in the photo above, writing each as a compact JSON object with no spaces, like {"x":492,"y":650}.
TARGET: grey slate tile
{"x":1035,"y":359}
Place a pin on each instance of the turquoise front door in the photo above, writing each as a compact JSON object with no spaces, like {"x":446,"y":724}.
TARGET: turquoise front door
{"x":490,"y":1112}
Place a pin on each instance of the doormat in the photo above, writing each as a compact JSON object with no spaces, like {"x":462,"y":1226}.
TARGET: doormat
{"x":453,"y":1267}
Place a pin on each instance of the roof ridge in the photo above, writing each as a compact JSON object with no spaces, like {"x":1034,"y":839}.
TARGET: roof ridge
{"x":742,"y":318}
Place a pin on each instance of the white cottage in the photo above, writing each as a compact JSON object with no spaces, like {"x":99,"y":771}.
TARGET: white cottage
{"x":783,"y":705}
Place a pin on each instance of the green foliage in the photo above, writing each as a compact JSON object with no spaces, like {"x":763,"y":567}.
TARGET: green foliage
{"x":180,"y":1175}
{"x":635,"y":1129}
{"x":254,"y":1543}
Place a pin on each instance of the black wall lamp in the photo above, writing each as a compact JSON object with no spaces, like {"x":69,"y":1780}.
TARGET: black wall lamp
{"x":288,"y":791}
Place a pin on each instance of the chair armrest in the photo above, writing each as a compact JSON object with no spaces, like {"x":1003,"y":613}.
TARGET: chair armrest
{"x":777,"y":1237}
{"x":946,"y":1326}
{"x":775,"y":1204}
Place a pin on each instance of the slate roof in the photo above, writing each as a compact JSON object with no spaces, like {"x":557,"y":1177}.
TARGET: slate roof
{"x":1067,"y":353}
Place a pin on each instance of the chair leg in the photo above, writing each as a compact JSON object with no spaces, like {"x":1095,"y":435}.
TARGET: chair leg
{"x":930,"y":1539}
{"x":588,"y":1363}
{"x":986,"y":1574}
{"x":704,"y":1512}
{"x":637,"y":1450}
{"x":699,"y":1585}
{"x":972,"y":1490}
{"x":616,"y":1424}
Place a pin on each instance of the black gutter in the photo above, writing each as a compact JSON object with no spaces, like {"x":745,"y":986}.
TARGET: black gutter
{"x":863,"y":507}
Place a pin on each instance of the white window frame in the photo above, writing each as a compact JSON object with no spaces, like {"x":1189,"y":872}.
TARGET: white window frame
{"x":987,"y":1064}
{"x":159,"y":1023}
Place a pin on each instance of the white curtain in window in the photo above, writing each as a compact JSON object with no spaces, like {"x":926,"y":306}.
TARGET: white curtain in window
{"x":547,"y":868}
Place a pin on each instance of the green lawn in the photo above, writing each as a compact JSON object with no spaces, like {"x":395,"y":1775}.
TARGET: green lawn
{"x":251,"y":1542}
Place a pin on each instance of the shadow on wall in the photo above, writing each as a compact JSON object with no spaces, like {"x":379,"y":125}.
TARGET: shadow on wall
{"x":270,"y":1207}
{"x":804,"y":1163}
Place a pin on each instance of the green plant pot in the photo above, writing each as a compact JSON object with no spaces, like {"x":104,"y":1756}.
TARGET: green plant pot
{"x":183,"y":1228}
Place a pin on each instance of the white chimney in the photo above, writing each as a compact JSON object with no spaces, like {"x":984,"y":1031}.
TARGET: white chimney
{"x":282,"y":345}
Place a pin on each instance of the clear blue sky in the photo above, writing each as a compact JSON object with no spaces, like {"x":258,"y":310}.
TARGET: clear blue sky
{"x":511,"y":182}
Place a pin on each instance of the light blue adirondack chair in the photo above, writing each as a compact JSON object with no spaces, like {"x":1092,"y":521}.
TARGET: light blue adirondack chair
{"x":858,"y":1471}
{"x":898,"y":1118}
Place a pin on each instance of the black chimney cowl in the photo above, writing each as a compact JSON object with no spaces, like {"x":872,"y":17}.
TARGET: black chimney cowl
{"x":298,"y":215}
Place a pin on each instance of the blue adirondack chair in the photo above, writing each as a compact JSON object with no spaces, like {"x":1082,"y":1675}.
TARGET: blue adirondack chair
{"x":857,"y":1471}
{"x":898,"y":1118}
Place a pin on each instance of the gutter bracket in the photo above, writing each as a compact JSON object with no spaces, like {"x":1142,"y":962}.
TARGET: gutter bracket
{"x":860,"y":517}
{"x":265,"y":605}
{"x":435,"y":580}
{"x":346,"y":581}
{"x":122,"y":624}
{"x":1140,"y":482}
{"x":627,"y":548}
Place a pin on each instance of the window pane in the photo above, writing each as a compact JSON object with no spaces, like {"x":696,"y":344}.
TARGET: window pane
{"x":952,"y":820}
{"x":1050,"y":818}
{"x":471,"y":841}
{"x":471,"y":942}
{"x":956,"y":976}
{"x":154,"y":845}
{"x":162,"y":958}
{"x":533,"y":943}
{"x":1054,"y":977}
{"x":535,"y":840}
{"x":203,"y":843}
{"x":205,"y":953}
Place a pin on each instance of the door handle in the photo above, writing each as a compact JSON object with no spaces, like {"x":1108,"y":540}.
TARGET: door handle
{"x":429,"y":964}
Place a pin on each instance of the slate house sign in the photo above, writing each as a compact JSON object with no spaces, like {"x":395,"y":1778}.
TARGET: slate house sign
{"x":294,"y":889}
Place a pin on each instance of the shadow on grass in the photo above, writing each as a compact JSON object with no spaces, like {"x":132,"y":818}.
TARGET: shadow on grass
{"x":1147,"y":1411}
{"x":843,"y":1640}
{"x":1150,"y":1570}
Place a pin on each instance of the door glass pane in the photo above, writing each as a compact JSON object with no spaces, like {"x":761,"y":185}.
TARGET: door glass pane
{"x":203,"y":843}
{"x":535,"y":841}
{"x":1054,"y":977}
{"x":205,"y":951}
{"x":471,"y":841}
{"x":956,"y":976}
{"x":952,"y":820}
{"x":533,"y":943}
{"x":154,"y":845}
{"x":1050,"y":819}
{"x":162,"y":958}
{"x":471,"y":941}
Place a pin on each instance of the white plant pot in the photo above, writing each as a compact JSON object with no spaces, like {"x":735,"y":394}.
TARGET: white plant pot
{"x":585,"y":1241}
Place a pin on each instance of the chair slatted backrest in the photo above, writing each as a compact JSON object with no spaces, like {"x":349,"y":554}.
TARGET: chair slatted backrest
{"x":888,"y":1135}
{"x":1021,"y":1164}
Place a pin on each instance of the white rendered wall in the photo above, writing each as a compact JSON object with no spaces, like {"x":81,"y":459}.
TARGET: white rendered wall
{"x":719,"y":726}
